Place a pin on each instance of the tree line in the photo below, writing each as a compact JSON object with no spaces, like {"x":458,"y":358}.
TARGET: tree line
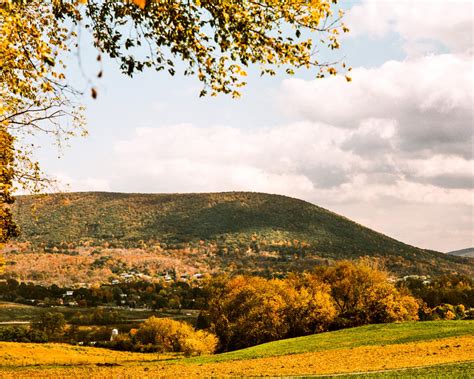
{"x":244,"y":311}
{"x":159,"y":295}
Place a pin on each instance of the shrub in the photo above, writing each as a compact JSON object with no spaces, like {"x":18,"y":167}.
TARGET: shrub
{"x":22,"y":334}
{"x":447,"y":312}
{"x":121,"y":342}
{"x":166,"y":335}
{"x":201,"y":342}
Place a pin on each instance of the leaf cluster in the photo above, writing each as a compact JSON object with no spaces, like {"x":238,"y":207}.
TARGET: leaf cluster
{"x":215,"y":40}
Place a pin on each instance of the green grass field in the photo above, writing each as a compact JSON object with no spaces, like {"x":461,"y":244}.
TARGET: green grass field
{"x":370,"y":335}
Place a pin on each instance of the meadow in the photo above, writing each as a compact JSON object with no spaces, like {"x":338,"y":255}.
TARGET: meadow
{"x":390,"y":350}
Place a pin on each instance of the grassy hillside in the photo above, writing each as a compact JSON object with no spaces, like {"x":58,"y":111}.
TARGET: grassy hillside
{"x":230,"y":225}
{"x":369,"y":335}
{"x":439,"y":347}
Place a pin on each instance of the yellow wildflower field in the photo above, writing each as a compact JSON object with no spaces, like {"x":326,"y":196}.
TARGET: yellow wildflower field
{"x":359,"y":359}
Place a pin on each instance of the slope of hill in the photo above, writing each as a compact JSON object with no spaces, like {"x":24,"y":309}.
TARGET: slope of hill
{"x":443,"y":347}
{"x":368,"y":335}
{"x":469,"y":252}
{"x":234,"y":227}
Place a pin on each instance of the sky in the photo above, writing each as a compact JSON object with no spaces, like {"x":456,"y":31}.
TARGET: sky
{"x":392,"y":150}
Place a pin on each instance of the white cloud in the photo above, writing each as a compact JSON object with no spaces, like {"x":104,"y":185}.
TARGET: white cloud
{"x":422,"y":24}
{"x":191,"y":158}
{"x":427,"y":103}
{"x":305,"y":159}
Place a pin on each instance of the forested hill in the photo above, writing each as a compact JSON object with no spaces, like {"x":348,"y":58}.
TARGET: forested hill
{"x":235,"y":225}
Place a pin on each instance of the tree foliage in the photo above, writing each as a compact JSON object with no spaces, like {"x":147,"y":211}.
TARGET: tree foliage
{"x":52,"y":324}
{"x":166,"y":335}
{"x":215,"y":39}
{"x":245,"y":311}
{"x":363,"y":294}
{"x":7,"y":228}
{"x":34,"y":96}
{"x":309,"y":306}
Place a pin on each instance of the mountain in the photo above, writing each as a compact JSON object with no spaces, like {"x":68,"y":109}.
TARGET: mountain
{"x":254,"y":232}
{"x":469,"y":252}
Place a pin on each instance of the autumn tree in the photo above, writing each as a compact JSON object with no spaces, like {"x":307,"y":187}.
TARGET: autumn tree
{"x":166,"y":335}
{"x":7,"y":227}
{"x":52,"y":324}
{"x":363,"y":294}
{"x":309,"y":306}
{"x":214,"y":40}
{"x":246,"y":311}
{"x":34,"y":96}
